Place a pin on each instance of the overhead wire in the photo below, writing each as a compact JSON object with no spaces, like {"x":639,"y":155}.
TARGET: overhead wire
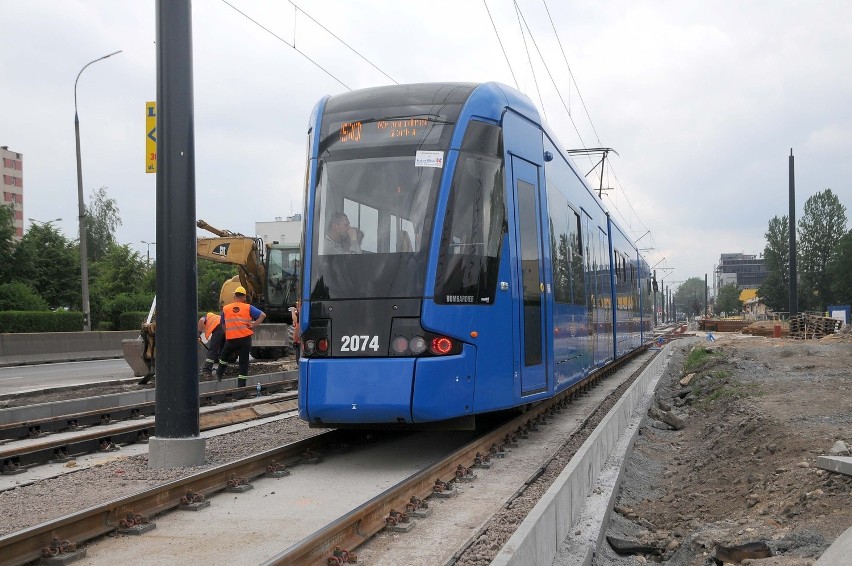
{"x":332,"y":34}
{"x":591,"y":122}
{"x":535,"y":79}
{"x":552,"y":80}
{"x":570,"y":73}
{"x":281,"y":39}
{"x":501,"y":44}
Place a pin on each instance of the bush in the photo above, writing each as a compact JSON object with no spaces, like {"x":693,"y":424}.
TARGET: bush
{"x":131,"y":320}
{"x":41,"y":321}
{"x":125,"y":303}
{"x":19,"y":296}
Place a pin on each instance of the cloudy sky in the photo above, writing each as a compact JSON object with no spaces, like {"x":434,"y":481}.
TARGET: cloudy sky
{"x":702,"y":101}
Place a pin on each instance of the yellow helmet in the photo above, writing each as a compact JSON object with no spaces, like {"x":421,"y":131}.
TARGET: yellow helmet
{"x":240,"y":290}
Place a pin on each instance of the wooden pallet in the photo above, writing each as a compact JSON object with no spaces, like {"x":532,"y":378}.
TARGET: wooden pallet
{"x":808,"y":326}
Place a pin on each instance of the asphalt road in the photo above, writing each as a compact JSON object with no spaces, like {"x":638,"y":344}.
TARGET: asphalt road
{"x":37,"y":377}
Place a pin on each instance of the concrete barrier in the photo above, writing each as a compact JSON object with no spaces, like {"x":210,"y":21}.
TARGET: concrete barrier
{"x":43,"y":347}
{"x":538,"y":538}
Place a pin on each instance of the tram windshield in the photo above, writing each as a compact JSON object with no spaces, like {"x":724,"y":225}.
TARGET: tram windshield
{"x":378,"y":174}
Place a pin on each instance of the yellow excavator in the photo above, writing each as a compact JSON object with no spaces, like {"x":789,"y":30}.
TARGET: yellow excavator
{"x":270,"y":275}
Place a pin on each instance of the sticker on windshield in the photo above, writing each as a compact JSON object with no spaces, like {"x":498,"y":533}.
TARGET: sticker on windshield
{"x":429,"y":159}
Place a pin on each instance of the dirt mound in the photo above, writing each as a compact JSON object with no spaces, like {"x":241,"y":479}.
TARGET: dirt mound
{"x":756,"y":414}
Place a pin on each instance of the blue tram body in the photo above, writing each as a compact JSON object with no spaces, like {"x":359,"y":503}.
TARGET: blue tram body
{"x":455,"y":261}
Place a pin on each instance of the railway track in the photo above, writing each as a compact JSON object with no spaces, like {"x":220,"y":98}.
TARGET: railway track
{"x":332,"y":540}
{"x":61,"y":436}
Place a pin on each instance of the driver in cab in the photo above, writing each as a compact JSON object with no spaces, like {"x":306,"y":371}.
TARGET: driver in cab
{"x":341,"y":237}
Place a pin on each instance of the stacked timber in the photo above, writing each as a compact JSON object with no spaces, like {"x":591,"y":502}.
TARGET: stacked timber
{"x":722,"y":325}
{"x":808,"y":326}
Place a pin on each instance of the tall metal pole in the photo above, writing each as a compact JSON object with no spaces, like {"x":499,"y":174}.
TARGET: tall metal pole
{"x":177,"y":441}
{"x":655,"y":297}
{"x":81,"y":208}
{"x":705,"y":295}
{"x":794,"y":301}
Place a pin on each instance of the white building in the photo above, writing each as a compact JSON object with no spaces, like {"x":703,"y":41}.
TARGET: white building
{"x":280,"y":231}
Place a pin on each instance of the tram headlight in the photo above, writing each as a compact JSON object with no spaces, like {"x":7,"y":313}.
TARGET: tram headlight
{"x":417,"y":345}
{"x":400,"y":344}
{"x":310,"y":346}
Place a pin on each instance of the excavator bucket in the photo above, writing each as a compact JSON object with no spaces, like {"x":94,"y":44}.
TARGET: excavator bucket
{"x":133,"y":349}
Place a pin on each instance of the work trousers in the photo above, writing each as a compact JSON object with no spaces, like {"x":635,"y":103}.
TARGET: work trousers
{"x":214,"y":347}
{"x":240,"y":345}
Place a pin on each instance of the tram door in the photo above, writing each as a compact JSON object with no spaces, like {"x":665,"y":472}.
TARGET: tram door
{"x":530,"y":271}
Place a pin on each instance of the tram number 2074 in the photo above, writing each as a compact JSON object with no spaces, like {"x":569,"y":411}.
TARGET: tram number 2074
{"x":357,"y":343}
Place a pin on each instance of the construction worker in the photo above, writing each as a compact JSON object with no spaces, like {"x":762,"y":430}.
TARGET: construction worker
{"x":294,"y":330}
{"x":239,"y":319}
{"x":213,"y":338}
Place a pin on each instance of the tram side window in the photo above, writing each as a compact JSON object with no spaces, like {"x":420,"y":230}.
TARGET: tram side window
{"x":560,"y":254}
{"x":474,"y":225}
{"x":576,"y":246}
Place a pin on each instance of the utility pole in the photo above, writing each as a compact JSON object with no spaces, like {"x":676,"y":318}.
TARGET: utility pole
{"x":794,"y":291}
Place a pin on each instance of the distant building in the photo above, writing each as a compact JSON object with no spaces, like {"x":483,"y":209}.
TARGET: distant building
{"x":13,"y":186}
{"x":283,"y":231}
{"x":744,"y":271}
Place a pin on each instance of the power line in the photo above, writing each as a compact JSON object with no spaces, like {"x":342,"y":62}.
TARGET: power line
{"x":501,"y":44}
{"x":341,"y":41}
{"x":552,"y":80}
{"x":535,"y":80}
{"x":571,"y":74}
{"x":281,"y":39}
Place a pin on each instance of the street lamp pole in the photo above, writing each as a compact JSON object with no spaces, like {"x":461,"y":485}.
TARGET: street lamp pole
{"x":84,"y":260}
{"x":149,"y":244}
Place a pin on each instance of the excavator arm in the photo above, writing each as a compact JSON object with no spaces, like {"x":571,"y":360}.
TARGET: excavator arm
{"x":235,"y":249}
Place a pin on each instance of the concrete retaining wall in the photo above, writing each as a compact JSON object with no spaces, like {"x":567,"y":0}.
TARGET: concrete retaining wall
{"x":537,"y":540}
{"x":42,"y":347}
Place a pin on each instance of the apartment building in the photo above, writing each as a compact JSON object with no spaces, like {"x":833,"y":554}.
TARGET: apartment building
{"x":12,"y":172}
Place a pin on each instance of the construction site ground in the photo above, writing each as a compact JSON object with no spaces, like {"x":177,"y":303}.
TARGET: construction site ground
{"x":751,"y":416}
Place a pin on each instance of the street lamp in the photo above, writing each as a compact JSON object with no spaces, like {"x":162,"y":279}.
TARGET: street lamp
{"x":84,"y":260}
{"x":49,"y":222}
{"x":149,"y":244}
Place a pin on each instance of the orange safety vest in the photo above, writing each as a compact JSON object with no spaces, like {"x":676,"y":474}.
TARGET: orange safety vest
{"x":211,"y":321}
{"x":237,"y":320}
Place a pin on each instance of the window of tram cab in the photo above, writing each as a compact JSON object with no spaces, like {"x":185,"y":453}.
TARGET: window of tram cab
{"x":474,"y":225}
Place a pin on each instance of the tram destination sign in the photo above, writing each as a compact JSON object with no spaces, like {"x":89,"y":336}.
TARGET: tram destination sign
{"x":405,"y":130}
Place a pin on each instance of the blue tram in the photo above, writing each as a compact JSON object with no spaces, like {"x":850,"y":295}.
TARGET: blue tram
{"x":456,"y":262}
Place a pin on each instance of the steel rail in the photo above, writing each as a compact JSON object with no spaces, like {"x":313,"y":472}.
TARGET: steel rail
{"x":360,"y":524}
{"x":127,"y":432}
{"x":26,"y":545}
{"x":55,"y":422}
{"x":350,"y":531}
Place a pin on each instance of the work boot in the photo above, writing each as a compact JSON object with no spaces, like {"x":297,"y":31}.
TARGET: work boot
{"x":242,"y":381}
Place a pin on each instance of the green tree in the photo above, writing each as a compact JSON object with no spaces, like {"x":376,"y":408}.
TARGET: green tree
{"x":7,"y":241}
{"x":46,"y":261}
{"x":211,"y":275}
{"x":120,"y":272}
{"x":102,"y":220}
{"x":689,"y":297}
{"x":18,"y":296}
{"x":820,"y":228}
{"x":728,"y":300}
{"x":840,"y":270}
{"x":775,"y":289}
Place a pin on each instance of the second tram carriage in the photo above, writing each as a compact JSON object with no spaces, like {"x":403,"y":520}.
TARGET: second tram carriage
{"x":455,"y":261}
